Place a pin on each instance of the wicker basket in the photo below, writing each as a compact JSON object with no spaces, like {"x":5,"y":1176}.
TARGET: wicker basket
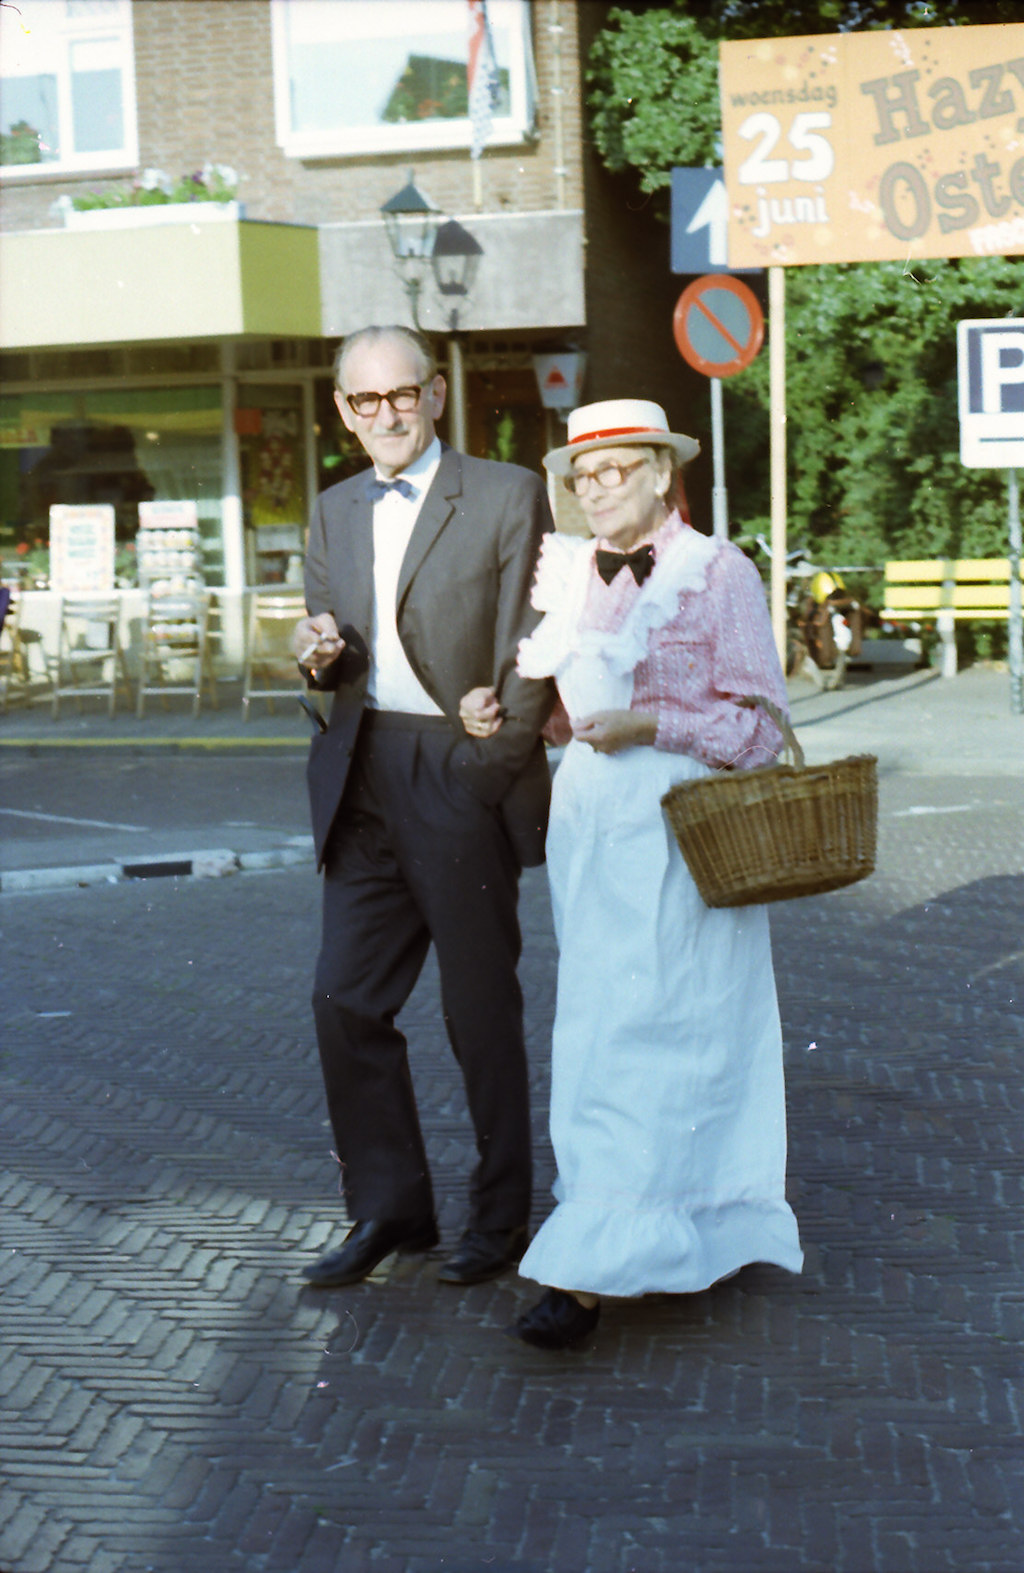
{"x":753,"y":836}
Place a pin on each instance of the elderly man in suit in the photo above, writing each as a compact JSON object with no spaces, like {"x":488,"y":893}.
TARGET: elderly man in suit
{"x":418,"y":576}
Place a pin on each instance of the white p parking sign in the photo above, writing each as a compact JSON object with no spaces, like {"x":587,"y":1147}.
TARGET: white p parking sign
{"x":990,"y":371}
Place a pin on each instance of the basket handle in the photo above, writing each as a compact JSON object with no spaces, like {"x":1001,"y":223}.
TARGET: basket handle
{"x":752,"y":701}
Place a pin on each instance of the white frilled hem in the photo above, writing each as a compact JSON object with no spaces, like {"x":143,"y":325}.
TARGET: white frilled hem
{"x":668,"y":1101}
{"x":600,"y":1248}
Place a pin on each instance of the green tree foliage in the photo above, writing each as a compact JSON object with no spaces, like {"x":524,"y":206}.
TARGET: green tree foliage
{"x":654,"y":94}
{"x":872,"y":429}
{"x":873,"y":436}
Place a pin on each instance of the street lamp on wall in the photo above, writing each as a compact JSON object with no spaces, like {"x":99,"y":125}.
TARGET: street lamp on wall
{"x":417,"y":237}
{"x":411,"y":221}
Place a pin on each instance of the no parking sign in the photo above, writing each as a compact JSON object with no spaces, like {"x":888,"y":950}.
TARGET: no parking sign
{"x":718,"y":325}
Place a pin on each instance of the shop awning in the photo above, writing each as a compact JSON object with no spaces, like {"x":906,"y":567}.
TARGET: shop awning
{"x":199,"y":279}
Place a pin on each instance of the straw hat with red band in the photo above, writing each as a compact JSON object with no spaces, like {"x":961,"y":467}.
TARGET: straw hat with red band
{"x":619,"y":423}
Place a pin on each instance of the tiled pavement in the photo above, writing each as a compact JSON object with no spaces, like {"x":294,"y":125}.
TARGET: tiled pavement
{"x":174,"y":1399}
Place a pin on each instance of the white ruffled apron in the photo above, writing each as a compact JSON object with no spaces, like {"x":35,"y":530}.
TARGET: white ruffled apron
{"x":667,"y":1093}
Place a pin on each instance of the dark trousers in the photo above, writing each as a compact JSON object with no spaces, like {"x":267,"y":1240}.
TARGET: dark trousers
{"x":414,"y":858}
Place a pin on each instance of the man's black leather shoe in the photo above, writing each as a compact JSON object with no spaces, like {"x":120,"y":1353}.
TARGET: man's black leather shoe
{"x":366,"y":1246}
{"x":557,"y":1321}
{"x":483,"y":1254}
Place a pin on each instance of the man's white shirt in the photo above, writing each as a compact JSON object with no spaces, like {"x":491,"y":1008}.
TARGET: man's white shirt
{"x":393,"y":685}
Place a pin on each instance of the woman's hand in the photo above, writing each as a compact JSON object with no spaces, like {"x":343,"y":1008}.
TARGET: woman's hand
{"x":480,"y":712}
{"x":610,"y":731}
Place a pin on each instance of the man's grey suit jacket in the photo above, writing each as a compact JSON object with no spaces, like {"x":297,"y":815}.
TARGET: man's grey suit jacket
{"x":463,"y":605}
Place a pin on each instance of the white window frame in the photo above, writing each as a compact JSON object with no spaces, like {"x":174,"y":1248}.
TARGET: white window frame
{"x":59,"y":31}
{"x":410,"y":136}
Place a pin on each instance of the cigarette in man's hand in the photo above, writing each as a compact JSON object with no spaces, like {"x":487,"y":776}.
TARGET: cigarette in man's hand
{"x":310,"y":649}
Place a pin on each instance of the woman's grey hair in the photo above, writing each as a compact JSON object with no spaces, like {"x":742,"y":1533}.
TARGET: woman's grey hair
{"x":661,"y":450}
{"x":392,"y":330}
{"x":658,"y":450}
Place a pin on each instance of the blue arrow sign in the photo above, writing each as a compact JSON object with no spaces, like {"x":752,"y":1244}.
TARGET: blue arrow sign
{"x":700,"y":223}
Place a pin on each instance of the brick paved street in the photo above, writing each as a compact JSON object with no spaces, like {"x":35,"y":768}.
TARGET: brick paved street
{"x":174,"y":1399}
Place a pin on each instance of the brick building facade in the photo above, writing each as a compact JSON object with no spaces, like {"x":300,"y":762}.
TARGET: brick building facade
{"x":210,"y":341}
{"x":204,"y":86}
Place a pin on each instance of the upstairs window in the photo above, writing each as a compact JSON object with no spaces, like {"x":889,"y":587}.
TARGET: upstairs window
{"x":67,"y":87}
{"x":352,"y":78}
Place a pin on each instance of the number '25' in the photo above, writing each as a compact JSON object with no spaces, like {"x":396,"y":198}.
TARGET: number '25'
{"x":761,"y":169}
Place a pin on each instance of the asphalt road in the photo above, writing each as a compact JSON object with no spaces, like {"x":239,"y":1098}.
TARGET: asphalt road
{"x":62,"y":807}
{"x":87,"y":789}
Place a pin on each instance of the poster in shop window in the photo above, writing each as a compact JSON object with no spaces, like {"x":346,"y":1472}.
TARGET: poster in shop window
{"x":858,"y":147}
{"x":275,"y":491}
{"x":82,"y":548}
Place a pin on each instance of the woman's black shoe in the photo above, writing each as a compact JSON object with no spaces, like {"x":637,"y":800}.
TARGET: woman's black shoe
{"x":557,"y":1321}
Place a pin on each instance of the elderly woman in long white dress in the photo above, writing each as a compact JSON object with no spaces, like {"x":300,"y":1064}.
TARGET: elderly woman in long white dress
{"x":667,"y":1094}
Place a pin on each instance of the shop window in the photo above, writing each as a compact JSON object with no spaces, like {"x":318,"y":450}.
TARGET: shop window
{"x":351,"y":79}
{"x":339,"y":454}
{"x":16,"y":367}
{"x":506,"y":417}
{"x":279,"y":354}
{"x":67,"y":87}
{"x":272,"y":445}
{"x":170,"y":359}
{"x":118,"y":446}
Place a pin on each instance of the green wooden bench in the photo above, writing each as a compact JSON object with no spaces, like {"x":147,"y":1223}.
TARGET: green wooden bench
{"x":947,"y":591}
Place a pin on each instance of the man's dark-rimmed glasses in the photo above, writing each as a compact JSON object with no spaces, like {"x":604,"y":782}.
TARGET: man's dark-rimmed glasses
{"x":402,"y":400}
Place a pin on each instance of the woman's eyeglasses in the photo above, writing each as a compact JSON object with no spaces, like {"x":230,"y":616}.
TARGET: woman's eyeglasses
{"x":402,"y":400}
{"x":608,"y":476}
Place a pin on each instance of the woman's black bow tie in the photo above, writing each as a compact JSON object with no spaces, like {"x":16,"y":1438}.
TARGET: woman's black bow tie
{"x":640,"y":561}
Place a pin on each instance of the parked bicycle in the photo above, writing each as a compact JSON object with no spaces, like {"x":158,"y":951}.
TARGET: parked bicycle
{"x":824,"y":623}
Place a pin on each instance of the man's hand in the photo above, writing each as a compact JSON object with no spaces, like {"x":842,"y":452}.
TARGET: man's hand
{"x":480,"y":712}
{"x":609,"y":731}
{"x":317,"y":642}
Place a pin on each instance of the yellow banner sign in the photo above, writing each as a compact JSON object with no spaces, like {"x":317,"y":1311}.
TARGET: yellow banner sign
{"x":856,"y":147}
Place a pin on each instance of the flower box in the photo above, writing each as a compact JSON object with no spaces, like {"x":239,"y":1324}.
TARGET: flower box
{"x":153,"y":213}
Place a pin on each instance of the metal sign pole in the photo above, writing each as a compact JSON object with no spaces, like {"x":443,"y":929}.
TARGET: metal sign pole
{"x":718,"y":327}
{"x":777,"y":384}
{"x":719,"y":496}
{"x":1016,"y":629}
